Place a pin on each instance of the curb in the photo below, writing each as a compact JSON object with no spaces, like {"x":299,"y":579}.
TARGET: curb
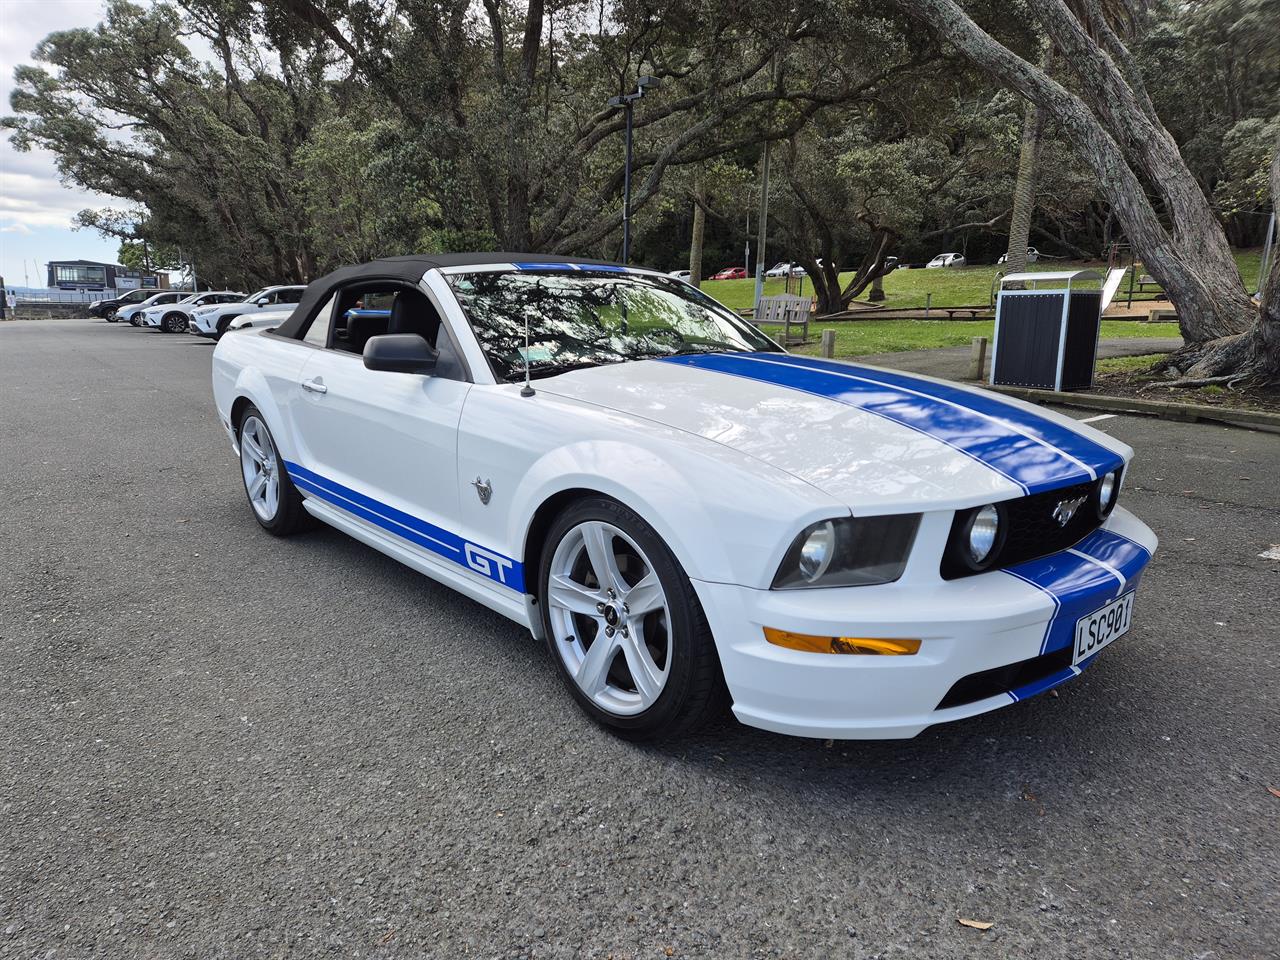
{"x":1187,"y":412}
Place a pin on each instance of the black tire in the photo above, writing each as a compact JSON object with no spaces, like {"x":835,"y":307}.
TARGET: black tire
{"x":134,"y":319}
{"x":174,"y":322}
{"x":695,"y":691}
{"x":223,"y":323}
{"x":110,"y":316}
{"x":290,"y":516}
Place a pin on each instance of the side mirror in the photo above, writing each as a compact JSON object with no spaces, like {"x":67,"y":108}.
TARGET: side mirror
{"x":400,"y":353}
{"x":262,"y":301}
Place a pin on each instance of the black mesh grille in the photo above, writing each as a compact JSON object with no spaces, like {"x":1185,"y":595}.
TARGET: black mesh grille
{"x":1033,"y":531}
{"x":1030,"y":529}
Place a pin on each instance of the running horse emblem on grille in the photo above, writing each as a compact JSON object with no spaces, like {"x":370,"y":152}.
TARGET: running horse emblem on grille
{"x":1066,"y":509}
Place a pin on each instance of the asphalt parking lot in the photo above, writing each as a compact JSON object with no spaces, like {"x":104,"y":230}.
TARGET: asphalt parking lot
{"x":214,"y":743}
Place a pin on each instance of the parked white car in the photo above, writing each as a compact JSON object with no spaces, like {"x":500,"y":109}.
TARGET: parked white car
{"x":212,"y":321}
{"x":1033,"y":255}
{"x":261,"y":319}
{"x":785,"y":270}
{"x":174,"y":317}
{"x":681,"y":274}
{"x":132,"y":313}
{"x":945,"y":260}
{"x":680,"y":509}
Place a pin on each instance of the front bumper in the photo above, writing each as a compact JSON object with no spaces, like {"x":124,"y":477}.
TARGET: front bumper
{"x":201,"y":327}
{"x":150,"y":320}
{"x":1023,"y":616}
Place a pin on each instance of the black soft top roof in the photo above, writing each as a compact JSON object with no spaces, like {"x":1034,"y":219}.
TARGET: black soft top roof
{"x":409,"y":268}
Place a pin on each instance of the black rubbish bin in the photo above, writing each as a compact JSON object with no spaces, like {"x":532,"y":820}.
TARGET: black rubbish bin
{"x":1047,"y":337}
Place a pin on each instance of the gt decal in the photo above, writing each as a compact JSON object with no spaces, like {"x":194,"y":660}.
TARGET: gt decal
{"x":445,"y":543}
{"x":1032,"y":452}
{"x":492,"y":565}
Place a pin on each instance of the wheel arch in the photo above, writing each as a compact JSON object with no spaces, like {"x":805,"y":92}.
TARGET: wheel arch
{"x":250,"y":387}
{"x":543,"y":517}
{"x":656,"y":489}
{"x":721,"y":516}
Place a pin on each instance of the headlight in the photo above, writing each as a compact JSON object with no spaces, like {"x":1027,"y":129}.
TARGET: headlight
{"x":1108,"y":488}
{"x":983,"y":531}
{"x":816,"y":551}
{"x":849,"y":551}
{"x":976,"y":539}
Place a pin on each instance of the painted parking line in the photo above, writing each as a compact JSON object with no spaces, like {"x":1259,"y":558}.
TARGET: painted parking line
{"x":1101,"y":416}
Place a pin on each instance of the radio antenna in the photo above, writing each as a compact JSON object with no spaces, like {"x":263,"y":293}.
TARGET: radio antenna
{"x":527,"y":390}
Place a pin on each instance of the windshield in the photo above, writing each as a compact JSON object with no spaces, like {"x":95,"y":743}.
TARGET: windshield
{"x":254,"y":296}
{"x":587,"y":319}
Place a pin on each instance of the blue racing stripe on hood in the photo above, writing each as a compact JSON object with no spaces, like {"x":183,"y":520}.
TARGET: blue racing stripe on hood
{"x":968,"y":423}
{"x":1074,"y":445}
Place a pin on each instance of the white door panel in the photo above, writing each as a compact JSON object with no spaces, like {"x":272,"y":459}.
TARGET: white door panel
{"x":382,"y":446}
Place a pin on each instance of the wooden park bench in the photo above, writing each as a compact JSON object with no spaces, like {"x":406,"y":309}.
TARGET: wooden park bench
{"x":790,"y":312}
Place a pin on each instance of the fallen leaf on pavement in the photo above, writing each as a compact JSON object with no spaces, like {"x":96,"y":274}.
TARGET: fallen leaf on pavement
{"x":976,"y":924}
{"x":1273,"y":791}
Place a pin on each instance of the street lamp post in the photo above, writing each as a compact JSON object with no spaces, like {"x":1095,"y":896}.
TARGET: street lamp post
{"x":627,"y":102}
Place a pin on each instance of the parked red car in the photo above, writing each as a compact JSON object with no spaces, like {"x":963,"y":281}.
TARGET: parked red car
{"x":731,"y":273}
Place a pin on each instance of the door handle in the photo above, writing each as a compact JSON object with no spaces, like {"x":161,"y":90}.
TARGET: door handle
{"x":315,"y":386}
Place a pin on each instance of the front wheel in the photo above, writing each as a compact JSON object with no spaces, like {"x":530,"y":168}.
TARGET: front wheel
{"x":135,"y":319}
{"x":276,"y":503}
{"x":173,"y":323}
{"x":624,"y":625}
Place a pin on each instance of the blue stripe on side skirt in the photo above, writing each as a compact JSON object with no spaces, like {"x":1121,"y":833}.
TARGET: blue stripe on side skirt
{"x":1079,"y":586}
{"x":1020,"y":452}
{"x":488,"y":563}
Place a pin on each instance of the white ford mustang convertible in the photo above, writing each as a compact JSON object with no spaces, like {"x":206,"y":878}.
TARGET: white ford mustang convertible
{"x":684,"y":512}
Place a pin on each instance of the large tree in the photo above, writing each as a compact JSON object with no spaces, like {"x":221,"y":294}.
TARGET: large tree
{"x":205,"y":157}
{"x":1110,"y":119}
{"x":516,"y":95}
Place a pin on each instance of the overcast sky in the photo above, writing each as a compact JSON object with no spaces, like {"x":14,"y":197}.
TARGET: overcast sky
{"x":35,"y":208}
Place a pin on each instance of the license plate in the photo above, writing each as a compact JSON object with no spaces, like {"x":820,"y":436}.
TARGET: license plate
{"x":1102,"y":626}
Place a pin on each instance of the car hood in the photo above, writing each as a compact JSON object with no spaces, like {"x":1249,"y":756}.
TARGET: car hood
{"x":878,"y":440}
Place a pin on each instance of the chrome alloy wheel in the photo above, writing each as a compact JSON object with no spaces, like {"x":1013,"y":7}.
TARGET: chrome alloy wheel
{"x":261,"y":467}
{"x":609,"y":618}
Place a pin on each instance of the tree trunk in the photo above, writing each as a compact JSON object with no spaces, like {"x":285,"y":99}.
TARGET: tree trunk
{"x":1193,"y":262}
{"x":877,"y":289}
{"x":699,"y":225}
{"x":1252,"y":356}
{"x":1024,"y":189}
{"x":872,"y":267}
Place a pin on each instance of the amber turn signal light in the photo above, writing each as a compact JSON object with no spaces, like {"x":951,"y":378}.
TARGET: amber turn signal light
{"x":875,"y":646}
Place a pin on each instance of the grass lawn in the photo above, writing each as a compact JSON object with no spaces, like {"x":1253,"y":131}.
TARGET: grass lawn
{"x":953,"y":287}
{"x":861,"y":337}
{"x":1128,"y":364}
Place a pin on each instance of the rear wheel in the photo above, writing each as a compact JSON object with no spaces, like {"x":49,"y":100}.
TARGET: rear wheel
{"x":275,"y":501}
{"x":174,"y":322}
{"x":135,"y":318}
{"x":624,"y":625}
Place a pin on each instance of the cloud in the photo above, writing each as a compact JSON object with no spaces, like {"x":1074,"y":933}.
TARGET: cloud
{"x":32,"y":194}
